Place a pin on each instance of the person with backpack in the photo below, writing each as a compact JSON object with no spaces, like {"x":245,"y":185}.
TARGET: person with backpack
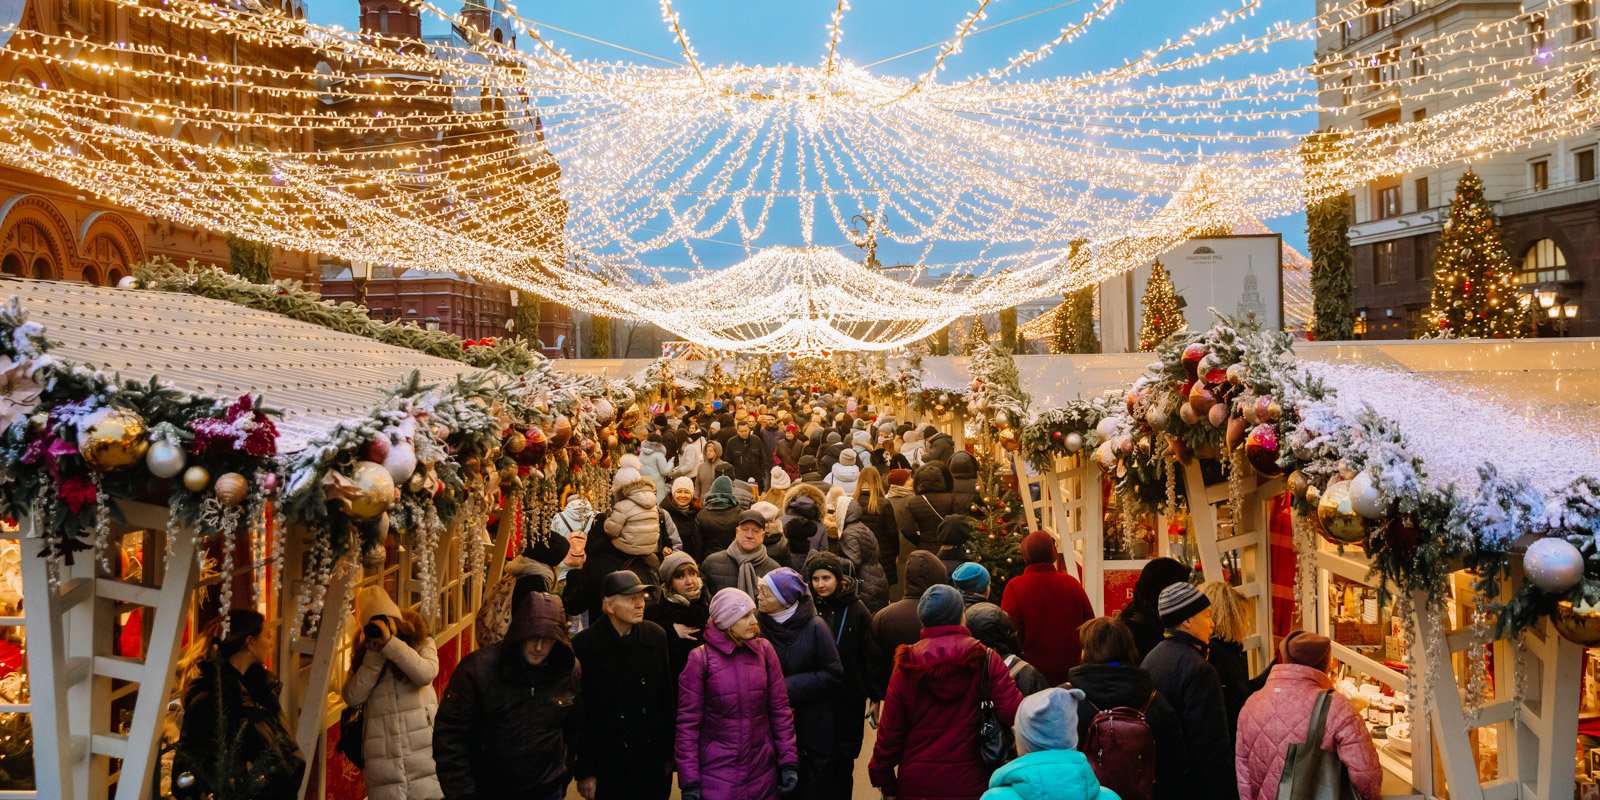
{"x":1049,"y":765}
{"x":992,"y":626}
{"x":392,"y":666}
{"x":928,"y":745}
{"x":1130,"y":733}
{"x":1179,"y":671}
{"x":735,"y":734}
{"x":1281,"y":715}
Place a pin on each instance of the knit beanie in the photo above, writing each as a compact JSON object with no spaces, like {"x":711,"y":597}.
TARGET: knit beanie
{"x":1039,"y":547}
{"x":780,"y":479}
{"x":861,"y":439}
{"x":684,"y":482}
{"x":768,"y":511}
{"x":847,"y":457}
{"x":373,"y":601}
{"x":1179,"y":602}
{"x":971,"y":577}
{"x":1048,"y":720}
{"x":630,"y":460}
{"x":786,"y":585}
{"x":1306,"y":649}
{"x":808,"y":464}
{"x":940,"y":605}
{"x":834,"y":437}
{"x":721,"y":495}
{"x":899,"y":476}
{"x":729,"y":606}
{"x":675,"y":561}
{"x":954,"y":530}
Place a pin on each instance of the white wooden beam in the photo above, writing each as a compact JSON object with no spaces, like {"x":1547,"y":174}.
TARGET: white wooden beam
{"x":46,"y":667}
{"x":313,"y":696}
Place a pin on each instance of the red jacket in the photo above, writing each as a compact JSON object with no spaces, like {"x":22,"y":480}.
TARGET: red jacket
{"x":1280,"y":714}
{"x":1048,"y":606}
{"x":929,"y":726}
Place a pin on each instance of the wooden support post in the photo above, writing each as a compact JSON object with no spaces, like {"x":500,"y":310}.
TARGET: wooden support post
{"x":502,"y":536}
{"x":313,"y":695}
{"x":1444,"y":705}
{"x":54,"y":747}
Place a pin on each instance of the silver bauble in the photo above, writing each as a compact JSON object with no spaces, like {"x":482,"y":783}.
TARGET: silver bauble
{"x":1074,"y":442}
{"x":401,"y":462}
{"x":165,"y":459}
{"x":1553,"y":564}
{"x":1365,"y":499}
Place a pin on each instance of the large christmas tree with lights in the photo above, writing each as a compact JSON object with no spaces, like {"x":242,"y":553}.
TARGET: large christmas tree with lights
{"x":1161,"y":317}
{"x":1474,"y":284}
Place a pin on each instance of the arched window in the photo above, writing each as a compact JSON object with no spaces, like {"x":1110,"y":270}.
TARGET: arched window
{"x":383,"y":20}
{"x":1543,"y":263}
{"x":43,"y":269}
{"x":499,"y":36}
{"x":12,"y":266}
{"x":91,"y":276}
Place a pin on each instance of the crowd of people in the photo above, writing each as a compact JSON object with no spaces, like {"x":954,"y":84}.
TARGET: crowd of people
{"x":769,"y":581}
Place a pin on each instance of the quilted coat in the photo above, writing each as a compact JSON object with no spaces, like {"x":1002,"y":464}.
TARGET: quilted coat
{"x":653,"y":464}
{"x":400,"y":707}
{"x":1048,"y":606}
{"x":927,"y":735}
{"x":859,"y":545}
{"x":735,"y":728}
{"x":1280,"y":714}
{"x":812,"y":675}
{"x":1047,"y":775}
{"x":1179,"y":671}
{"x":634,"y":523}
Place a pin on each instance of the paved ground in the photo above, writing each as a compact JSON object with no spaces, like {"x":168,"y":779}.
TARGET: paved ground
{"x":864,"y":790}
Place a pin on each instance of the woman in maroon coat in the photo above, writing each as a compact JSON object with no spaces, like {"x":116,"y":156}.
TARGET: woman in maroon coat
{"x":735,"y":738}
{"x":927,"y":746}
{"x":1048,"y":607}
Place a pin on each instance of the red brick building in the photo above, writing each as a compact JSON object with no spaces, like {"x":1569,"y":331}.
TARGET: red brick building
{"x":50,"y":230}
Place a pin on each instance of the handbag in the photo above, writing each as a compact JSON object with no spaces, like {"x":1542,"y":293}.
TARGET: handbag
{"x":994,"y":740}
{"x":1311,"y":772}
{"x":352,"y":731}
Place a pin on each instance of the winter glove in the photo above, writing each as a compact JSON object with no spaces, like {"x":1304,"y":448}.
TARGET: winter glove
{"x":691,"y":792}
{"x":788,"y":779}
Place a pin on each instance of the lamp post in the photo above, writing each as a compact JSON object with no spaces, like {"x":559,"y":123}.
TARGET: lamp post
{"x":360,"y":274}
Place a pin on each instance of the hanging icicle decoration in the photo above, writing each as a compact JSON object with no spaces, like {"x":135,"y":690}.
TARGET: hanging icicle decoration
{"x":1305,"y":568}
{"x":425,"y":556}
{"x":1477,"y":659}
{"x":102,"y":525}
{"x":1236,"y":468}
{"x":256,"y":515}
{"x":1169,"y":474}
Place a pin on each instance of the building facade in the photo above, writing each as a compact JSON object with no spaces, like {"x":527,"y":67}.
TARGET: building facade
{"x":50,"y":230}
{"x":1547,"y":195}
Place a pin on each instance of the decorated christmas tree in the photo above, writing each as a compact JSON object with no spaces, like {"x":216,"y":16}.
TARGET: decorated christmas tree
{"x":977,"y":335}
{"x":1074,"y":324}
{"x":997,"y":541}
{"x":1161,"y":314}
{"x":1474,"y":284}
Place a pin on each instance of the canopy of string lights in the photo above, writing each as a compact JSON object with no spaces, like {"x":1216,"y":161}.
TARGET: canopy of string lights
{"x":571,"y":178}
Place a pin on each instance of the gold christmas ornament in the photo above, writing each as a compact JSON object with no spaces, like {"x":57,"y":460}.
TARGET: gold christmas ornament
{"x":196,"y":479}
{"x":231,"y":488}
{"x":112,"y":438}
{"x":1578,"y":624}
{"x":516,"y":442}
{"x":368,"y":492}
{"x":1008,"y":440}
{"x":1340,"y":522}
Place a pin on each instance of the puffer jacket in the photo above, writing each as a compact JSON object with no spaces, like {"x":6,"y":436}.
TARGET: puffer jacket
{"x":933,"y":502}
{"x":634,"y":524}
{"x":1233,"y":668}
{"x":221,"y":707}
{"x":720,"y":571}
{"x":964,"y":482}
{"x":1108,"y":686}
{"x":927,"y":733}
{"x":1047,"y":775}
{"x":671,"y":610}
{"x":1179,"y":671}
{"x":887,"y":531}
{"x":396,"y":686}
{"x":812,"y":675}
{"x":939,"y":448}
{"x":716,"y":527}
{"x":898,"y":624}
{"x":859,"y":545}
{"x":506,"y":729}
{"x":653,"y":464}
{"x":788,"y":453}
{"x":1280,"y":715}
{"x":735,"y":728}
{"x":845,"y":477}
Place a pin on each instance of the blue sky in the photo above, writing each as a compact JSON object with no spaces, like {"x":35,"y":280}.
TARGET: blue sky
{"x":795,"y":32}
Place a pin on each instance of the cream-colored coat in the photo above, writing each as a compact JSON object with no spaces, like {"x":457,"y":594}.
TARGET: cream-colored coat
{"x":400,"y":707}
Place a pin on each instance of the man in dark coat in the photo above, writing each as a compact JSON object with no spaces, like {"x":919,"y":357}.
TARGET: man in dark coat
{"x":898,"y":623}
{"x":749,"y":457}
{"x":509,"y":724}
{"x":964,"y":483}
{"x":933,"y":502}
{"x":630,"y":699}
{"x":1179,"y":671}
{"x":992,"y":626}
{"x":743,"y":562}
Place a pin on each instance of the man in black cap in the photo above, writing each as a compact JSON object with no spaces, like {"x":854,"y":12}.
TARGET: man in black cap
{"x":629,"y":697}
{"x":745,"y":560}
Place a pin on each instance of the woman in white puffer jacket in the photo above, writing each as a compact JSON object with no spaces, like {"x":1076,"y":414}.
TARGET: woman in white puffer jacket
{"x":393,"y":677}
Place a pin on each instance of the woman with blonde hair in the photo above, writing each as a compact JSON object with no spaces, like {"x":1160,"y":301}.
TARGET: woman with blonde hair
{"x":872,"y":494}
{"x":1231,"y":612}
{"x":392,"y":667}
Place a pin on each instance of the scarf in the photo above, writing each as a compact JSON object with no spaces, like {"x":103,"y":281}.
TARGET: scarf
{"x":748,"y":582}
{"x":899,"y":491}
{"x":784,"y":615}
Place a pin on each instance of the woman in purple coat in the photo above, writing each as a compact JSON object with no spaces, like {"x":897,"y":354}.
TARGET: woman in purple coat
{"x":735,"y":730}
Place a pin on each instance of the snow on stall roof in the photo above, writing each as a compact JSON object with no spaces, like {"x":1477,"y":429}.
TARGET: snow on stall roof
{"x":1530,"y":407}
{"x":317,"y":376}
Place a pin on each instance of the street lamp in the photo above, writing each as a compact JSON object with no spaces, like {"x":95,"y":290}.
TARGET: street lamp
{"x":360,"y":274}
{"x":1561,"y":316}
